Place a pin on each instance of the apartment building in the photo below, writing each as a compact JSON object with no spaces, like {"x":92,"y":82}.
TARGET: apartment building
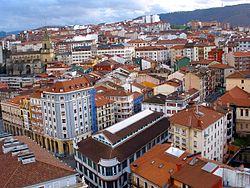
{"x":200,"y":129}
{"x":171,"y":103}
{"x":68,"y":109}
{"x":191,"y":51}
{"x":12,"y":115}
{"x":105,"y":112}
{"x":240,"y":79}
{"x":16,"y":82}
{"x":176,"y":53}
{"x":167,"y":166}
{"x":239,"y":60}
{"x":124,"y":103}
{"x":117,"y":146}
{"x":239,"y":101}
{"x":222,"y":71}
{"x":156,"y":53}
{"x":202,"y":79}
{"x":83,"y":53}
{"x":243,"y":44}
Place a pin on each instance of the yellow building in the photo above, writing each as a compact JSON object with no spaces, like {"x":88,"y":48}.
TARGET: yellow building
{"x":105,"y":115}
{"x":240,"y":79}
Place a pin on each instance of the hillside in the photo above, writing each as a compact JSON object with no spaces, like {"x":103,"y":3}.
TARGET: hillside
{"x":237,"y":15}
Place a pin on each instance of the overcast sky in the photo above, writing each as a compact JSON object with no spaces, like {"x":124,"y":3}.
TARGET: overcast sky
{"x":30,"y":14}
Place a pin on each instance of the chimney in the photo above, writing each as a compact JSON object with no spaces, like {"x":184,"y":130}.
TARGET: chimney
{"x":178,"y":166}
{"x":200,"y":123}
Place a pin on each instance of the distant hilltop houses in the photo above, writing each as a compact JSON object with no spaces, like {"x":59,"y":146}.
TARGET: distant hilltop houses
{"x":136,"y":103}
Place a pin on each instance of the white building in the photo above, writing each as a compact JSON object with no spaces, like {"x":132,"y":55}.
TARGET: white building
{"x":68,"y":109}
{"x":200,"y":129}
{"x":83,"y":53}
{"x":156,"y":53}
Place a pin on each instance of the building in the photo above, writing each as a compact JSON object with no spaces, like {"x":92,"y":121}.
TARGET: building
{"x":243,"y":44}
{"x":216,"y":54}
{"x":239,"y":60}
{"x":26,"y":164}
{"x":178,"y":101}
{"x":200,"y":129}
{"x":124,"y":103}
{"x":240,"y":79}
{"x":116,"y":147}
{"x":156,"y":103}
{"x":83,"y":53}
{"x":16,"y":82}
{"x":222,"y":71}
{"x":105,"y":112}
{"x":31,"y":62}
{"x":156,"y":53}
{"x":239,"y":100}
{"x":68,"y":109}
{"x":202,"y":79}
{"x":171,"y":103}
{"x":168,"y":87}
{"x":166,"y":166}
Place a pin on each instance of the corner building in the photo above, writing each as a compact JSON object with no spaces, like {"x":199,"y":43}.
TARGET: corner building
{"x":104,"y":158}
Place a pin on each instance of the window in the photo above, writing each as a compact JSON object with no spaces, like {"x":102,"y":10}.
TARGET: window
{"x":242,"y":81}
{"x":241,"y":112}
{"x":247,"y":113}
{"x":195,"y":134}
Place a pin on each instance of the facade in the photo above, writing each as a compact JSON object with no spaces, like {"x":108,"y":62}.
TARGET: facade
{"x":222,"y":71}
{"x":172,"y":103}
{"x":240,"y":79}
{"x":239,"y":100}
{"x":124,"y":103}
{"x":243,"y":44}
{"x":200,"y":129}
{"x":31,"y":62}
{"x":156,"y":53}
{"x":116,"y":147}
{"x":83,"y":53}
{"x":105,"y":112}
{"x":239,"y":60}
{"x":16,"y":82}
{"x":69,"y":112}
{"x":200,"y":79}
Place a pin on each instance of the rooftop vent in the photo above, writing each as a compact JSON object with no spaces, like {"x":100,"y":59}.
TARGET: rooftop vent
{"x":193,"y":161}
{"x":161,"y":165}
{"x":152,"y":162}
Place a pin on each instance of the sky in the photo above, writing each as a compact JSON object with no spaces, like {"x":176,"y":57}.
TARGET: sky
{"x":30,"y":14}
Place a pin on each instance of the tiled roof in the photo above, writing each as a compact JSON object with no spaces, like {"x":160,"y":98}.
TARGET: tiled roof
{"x":45,"y":168}
{"x":101,"y":101}
{"x":124,"y":150}
{"x":242,"y":54}
{"x":195,"y":176}
{"x":199,"y":120}
{"x":235,"y":96}
{"x":157,"y":99}
{"x":220,"y":66}
{"x":70,"y":85}
{"x":148,"y":166}
{"x":240,"y":74}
